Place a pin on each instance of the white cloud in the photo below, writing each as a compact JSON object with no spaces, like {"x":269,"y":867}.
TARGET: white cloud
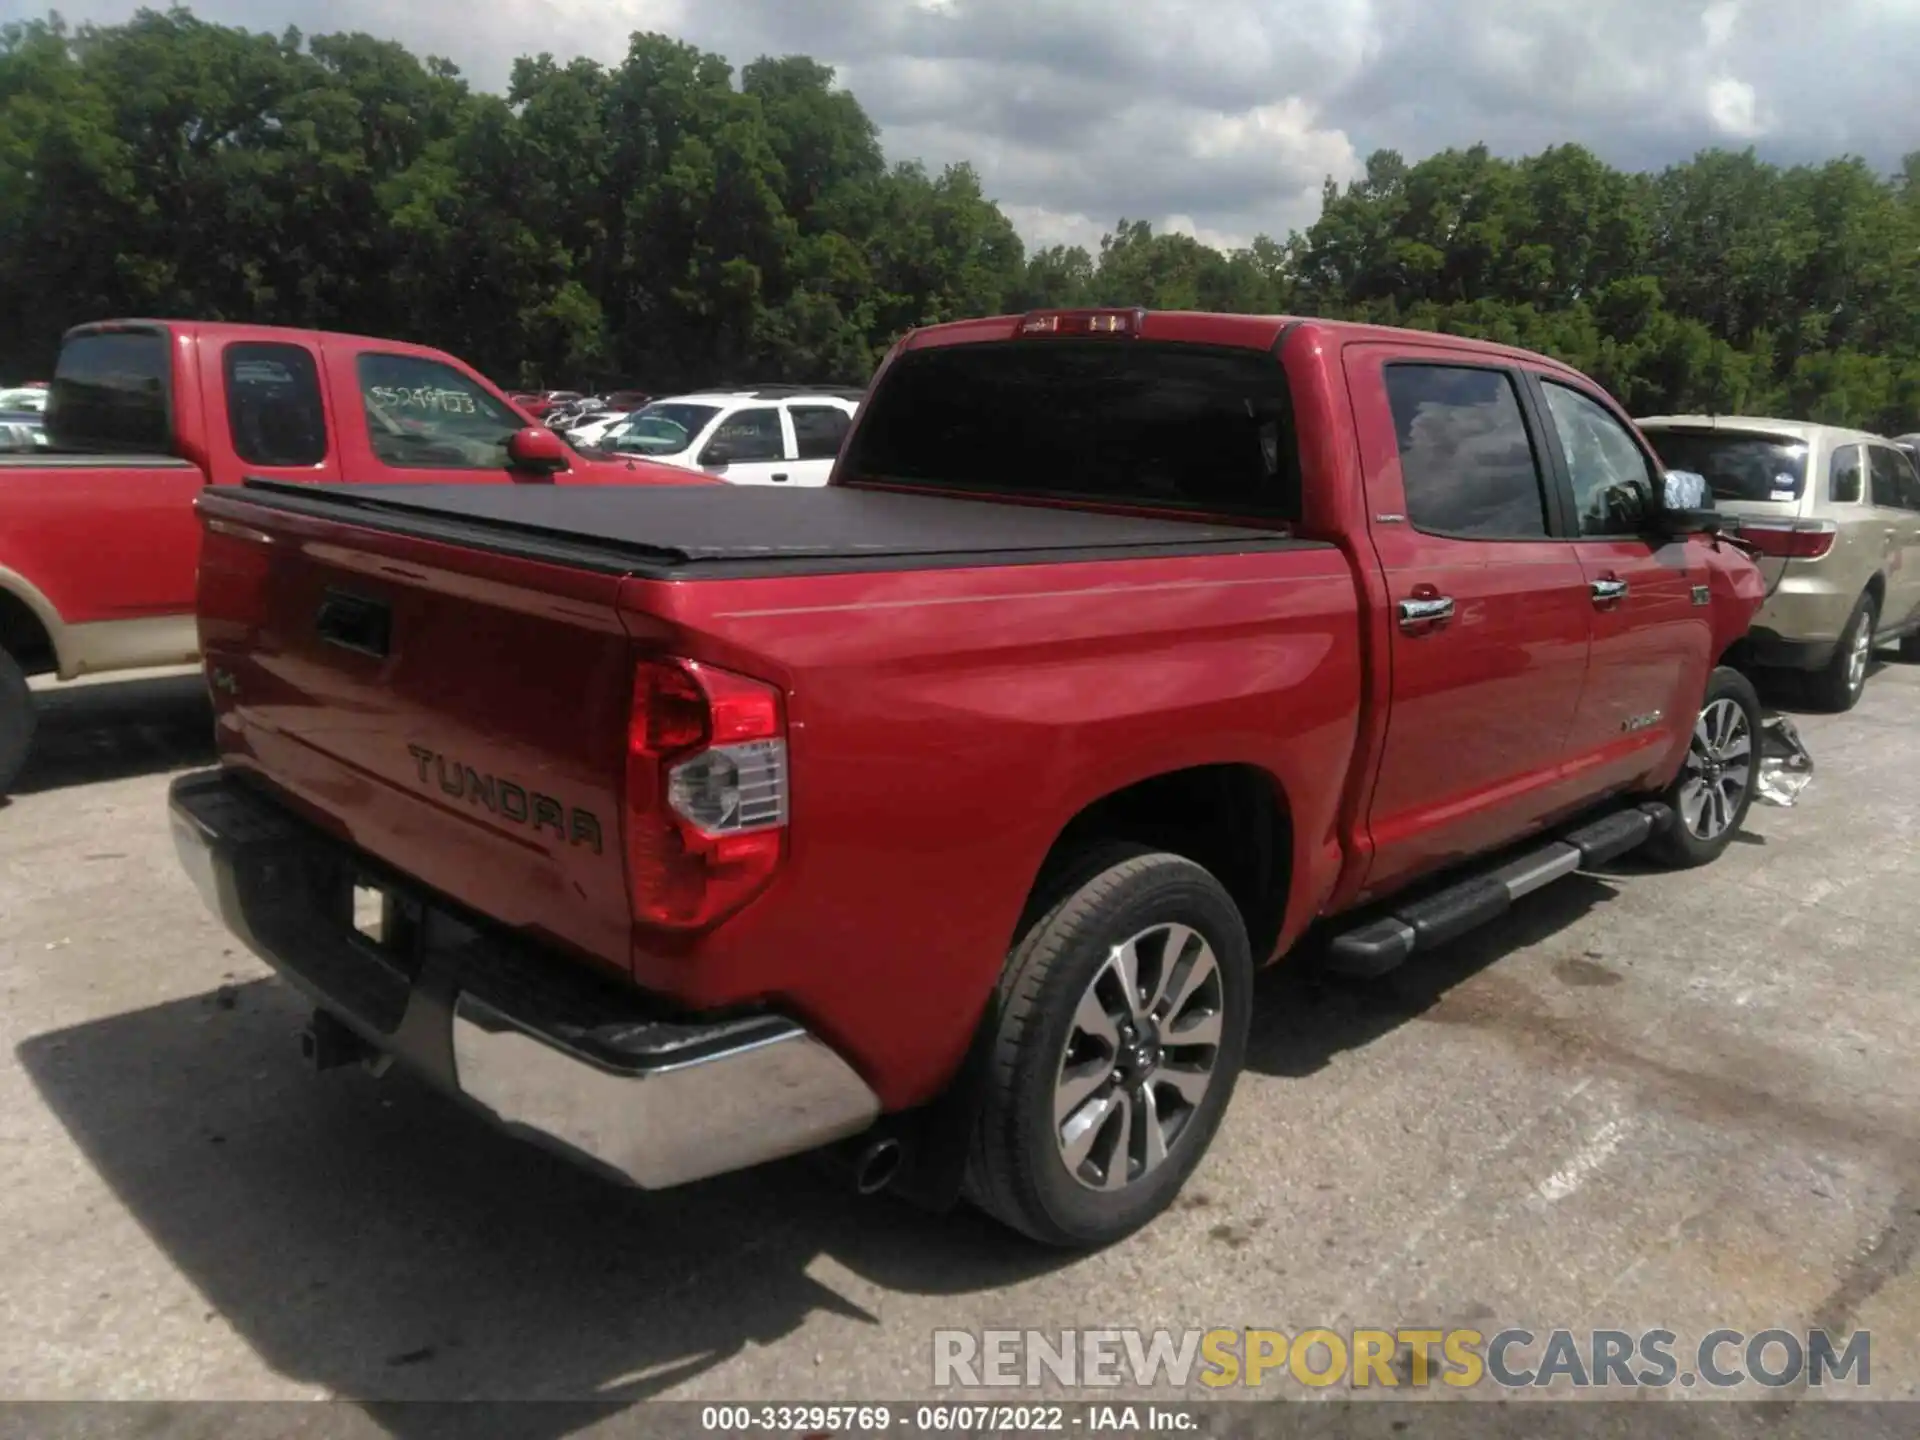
{"x":1223,"y":117}
{"x":1717,"y":22}
{"x":1734,"y":108}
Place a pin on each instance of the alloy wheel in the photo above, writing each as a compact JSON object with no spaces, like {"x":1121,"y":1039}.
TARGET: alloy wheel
{"x":1139,"y":1057}
{"x":1719,"y":768}
{"x":1859,"y":655}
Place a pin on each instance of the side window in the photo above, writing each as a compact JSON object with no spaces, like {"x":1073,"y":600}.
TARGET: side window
{"x":1892,"y":479}
{"x":1906,"y":479}
{"x":1465,"y":456}
{"x":421,"y":413}
{"x":274,"y":412}
{"x":747,"y":436}
{"x":818,"y":430}
{"x":1613,"y":485}
{"x":1844,"y":475}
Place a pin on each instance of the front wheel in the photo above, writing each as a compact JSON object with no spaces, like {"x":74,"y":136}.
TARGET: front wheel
{"x":1716,"y":785}
{"x":1119,"y":1032}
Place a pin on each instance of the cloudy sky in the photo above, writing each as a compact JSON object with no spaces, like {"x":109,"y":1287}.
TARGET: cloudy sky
{"x":1223,"y":117}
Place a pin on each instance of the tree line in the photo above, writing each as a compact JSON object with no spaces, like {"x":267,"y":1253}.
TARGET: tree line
{"x":665,"y":222}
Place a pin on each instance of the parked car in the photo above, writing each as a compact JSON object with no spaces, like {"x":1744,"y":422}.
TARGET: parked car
{"x":773,"y":435}
{"x":1910,"y":444}
{"x":98,"y":551}
{"x":591,"y":433}
{"x":30,"y":399}
{"x":539,"y":403}
{"x":690,"y":828}
{"x":1835,"y":517}
{"x":566,"y":418}
{"x":22,"y":430}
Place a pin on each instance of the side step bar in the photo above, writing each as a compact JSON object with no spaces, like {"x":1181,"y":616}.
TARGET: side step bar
{"x":1381,"y":945}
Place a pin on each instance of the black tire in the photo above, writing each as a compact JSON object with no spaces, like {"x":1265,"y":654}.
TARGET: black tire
{"x":1683,"y":845}
{"x":1834,"y":688}
{"x":1016,"y":1170}
{"x":16,"y":721}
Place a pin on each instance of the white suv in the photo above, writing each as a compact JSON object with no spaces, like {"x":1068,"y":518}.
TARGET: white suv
{"x":770,"y":435}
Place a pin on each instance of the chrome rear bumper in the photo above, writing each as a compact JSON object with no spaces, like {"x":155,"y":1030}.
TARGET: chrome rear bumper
{"x":552,"y":1052}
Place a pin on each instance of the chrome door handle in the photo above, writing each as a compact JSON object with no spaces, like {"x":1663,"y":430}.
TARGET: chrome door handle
{"x":1428,"y":610}
{"x":1607,"y":591}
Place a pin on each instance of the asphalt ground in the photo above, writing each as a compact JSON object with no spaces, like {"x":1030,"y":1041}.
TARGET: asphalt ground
{"x":1644,"y":1100}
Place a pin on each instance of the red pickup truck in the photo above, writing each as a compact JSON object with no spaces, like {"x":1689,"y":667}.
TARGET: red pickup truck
{"x":98,"y":550}
{"x":941,"y":816}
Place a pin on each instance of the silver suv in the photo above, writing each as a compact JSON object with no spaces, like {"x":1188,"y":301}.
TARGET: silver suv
{"x":1835,"y":516}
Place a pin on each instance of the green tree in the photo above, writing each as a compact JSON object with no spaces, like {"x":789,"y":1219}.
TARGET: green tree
{"x":665,"y":222}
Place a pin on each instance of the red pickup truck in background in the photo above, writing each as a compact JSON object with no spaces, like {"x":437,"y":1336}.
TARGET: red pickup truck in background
{"x":942,"y":815}
{"x":99,"y":540}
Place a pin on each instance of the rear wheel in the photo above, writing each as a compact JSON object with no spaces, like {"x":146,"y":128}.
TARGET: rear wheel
{"x":1839,"y":686}
{"x":16,"y":721}
{"x":1120,"y":1030}
{"x":1716,"y":785}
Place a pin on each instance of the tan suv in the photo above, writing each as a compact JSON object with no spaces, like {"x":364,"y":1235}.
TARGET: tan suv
{"x":1835,"y":515}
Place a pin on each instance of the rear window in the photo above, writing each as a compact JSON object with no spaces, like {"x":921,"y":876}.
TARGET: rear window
{"x":1737,"y":466}
{"x":110,"y":393}
{"x":1155,"y":425}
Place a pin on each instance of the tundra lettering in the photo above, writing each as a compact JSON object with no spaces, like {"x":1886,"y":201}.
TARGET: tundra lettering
{"x":504,"y":798}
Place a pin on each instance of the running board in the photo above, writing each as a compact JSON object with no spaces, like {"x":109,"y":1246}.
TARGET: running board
{"x":1381,"y":945}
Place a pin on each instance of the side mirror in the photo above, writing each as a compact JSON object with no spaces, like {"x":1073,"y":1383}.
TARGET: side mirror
{"x":1686,"y":490}
{"x":536,"y":450}
{"x":1686,"y":505}
{"x":718,"y":452}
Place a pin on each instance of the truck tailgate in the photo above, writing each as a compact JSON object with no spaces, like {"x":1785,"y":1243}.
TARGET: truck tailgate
{"x":457,"y":715}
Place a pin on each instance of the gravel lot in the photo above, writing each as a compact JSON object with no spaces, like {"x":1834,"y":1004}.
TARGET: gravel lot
{"x":1644,"y":1100}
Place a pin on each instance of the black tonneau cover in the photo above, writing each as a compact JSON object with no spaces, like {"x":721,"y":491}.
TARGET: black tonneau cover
{"x":690,"y":531}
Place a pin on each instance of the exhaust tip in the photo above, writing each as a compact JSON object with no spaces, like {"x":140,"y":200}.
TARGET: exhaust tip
{"x":877,"y":1166}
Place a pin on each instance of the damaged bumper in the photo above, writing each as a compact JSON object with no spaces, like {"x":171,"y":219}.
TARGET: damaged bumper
{"x":551,"y":1050}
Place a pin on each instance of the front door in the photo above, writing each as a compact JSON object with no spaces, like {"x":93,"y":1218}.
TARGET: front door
{"x":1649,"y":605}
{"x":406,"y":419}
{"x":1489,"y":610}
{"x":749,"y":447}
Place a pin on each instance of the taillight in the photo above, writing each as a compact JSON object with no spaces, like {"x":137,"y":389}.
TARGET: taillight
{"x":1789,"y":539}
{"x":706,"y":792}
{"x":1083,"y":322}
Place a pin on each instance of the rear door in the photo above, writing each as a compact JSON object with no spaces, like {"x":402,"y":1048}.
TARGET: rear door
{"x":1491,"y":608}
{"x":1649,"y":604}
{"x":818,"y":432}
{"x":267,"y":413}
